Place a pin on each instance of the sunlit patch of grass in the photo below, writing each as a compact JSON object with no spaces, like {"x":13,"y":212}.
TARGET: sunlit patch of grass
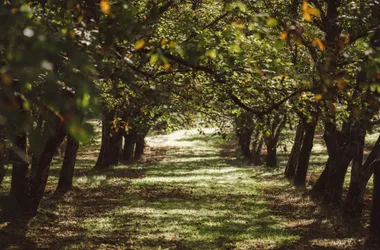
{"x":192,"y":200}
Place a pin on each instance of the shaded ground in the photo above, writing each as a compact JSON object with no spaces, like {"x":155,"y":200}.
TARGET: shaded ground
{"x":189,"y":192}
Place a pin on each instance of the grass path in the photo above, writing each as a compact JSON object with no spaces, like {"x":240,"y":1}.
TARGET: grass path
{"x":187,"y":194}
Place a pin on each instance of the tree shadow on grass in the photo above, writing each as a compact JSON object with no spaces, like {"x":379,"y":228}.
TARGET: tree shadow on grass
{"x":318,"y":225}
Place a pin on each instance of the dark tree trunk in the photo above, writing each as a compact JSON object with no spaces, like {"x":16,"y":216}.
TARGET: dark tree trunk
{"x":320,"y":185}
{"x":295,"y":153}
{"x":19,"y":184}
{"x":331,"y":138}
{"x":2,"y":156}
{"x":140,"y":144}
{"x":244,"y":142}
{"x":104,"y":158}
{"x":129,"y":146}
{"x":375,"y":212}
{"x":53,"y":138}
{"x":360,"y":176}
{"x":271,"y":158}
{"x":257,"y":152}
{"x":116,"y":142}
{"x":335,"y":181}
{"x":66,"y":175}
{"x":244,"y":124}
{"x":303,"y":162}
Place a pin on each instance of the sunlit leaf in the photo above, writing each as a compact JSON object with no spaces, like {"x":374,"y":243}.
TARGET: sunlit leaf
{"x":105,"y":7}
{"x":284,"y":35}
{"x":319,"y":43}
{"x":318,"y":97}
{"x":211,"y":53}
{"x":167,"y":66}
{"x":271,"y":22}
{"x":139,"y":44}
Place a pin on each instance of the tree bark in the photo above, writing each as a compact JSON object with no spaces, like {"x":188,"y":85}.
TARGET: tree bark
{"x":67,"y":171}
{"x":375,"y":212}
{"x":116,"y":143}
{"x":303,"y":162}
{"x":291,"y":167}
{"x":271,"y":158}
{"x":129,"y":146}
{"x":360,"y":175}
{"x":53,"y":138}
{"x":2,"y":156}
{"x":19,"y":183}
{"x":104,"y":159}
{"x":140,"y":144}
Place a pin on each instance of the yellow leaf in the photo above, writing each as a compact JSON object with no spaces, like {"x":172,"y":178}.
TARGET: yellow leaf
{"x":139,"y":44}
{"x":318,"y":97}
{"x":105,"y":7}
{"x":305,"y":5}
{"x":167,"y":66}
{"x":314,"y":12}
{"x":318,"y":42}
{"x":284,"y":35}
{"x":307,"y":17}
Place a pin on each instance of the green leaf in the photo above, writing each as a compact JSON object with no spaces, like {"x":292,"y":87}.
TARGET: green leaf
{"x":271,"y":22}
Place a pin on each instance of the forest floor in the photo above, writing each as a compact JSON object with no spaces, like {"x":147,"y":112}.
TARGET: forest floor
{"x":189,"y":192}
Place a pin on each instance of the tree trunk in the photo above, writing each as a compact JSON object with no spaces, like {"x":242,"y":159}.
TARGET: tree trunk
{"x":116,"y":143}
{"x":66,"y":175}
{"x":295,"y":153}
{"x":104,"y":159}
{"x":335,"y":181}
{"x":375,"y":212}
{"x":244,"y":125}
{"x":19,"y":184}
{"x":335,"y":147}
{"x":129,"y":146}
{"x":140,"y":144}
{"x":360,"y":176}
{"x":303,"y":162}
{"x":40,"y":176}
{"x":2,"y":156}
{"x":257,"y":153}
{"x":271,"y":158}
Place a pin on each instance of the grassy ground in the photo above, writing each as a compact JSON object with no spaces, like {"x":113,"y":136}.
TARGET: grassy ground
{"x":189,"y":192}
